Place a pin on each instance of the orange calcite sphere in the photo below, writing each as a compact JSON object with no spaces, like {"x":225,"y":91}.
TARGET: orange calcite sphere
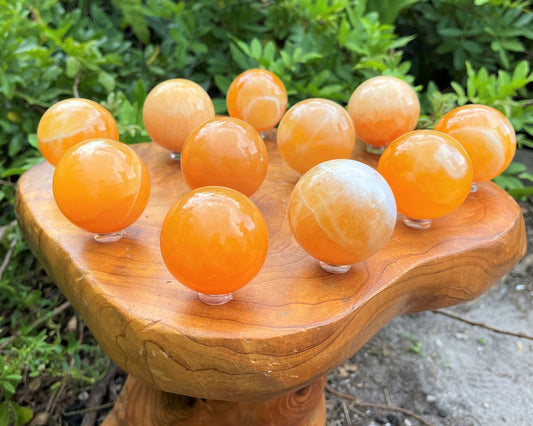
{"x":429,"y":172}
{"x":258,"y":97}
{"x":71,"y":121}
{"x":101,"y":185}
{"x":225,"y":151}
{"x":383,"y":108}
{"x":315,"y":130}
{"x":342,"y":211}
{"x":173,"y":109}
{"x":487,"y":136}
{"x":214,"y":240}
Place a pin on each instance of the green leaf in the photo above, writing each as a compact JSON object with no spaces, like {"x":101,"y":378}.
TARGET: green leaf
{"x":523,"y":19}
{"x":8,"y":387}
{"x":239,"y":57}
{"x":512,"y":45}
{"x":220,"y":105}
{"x":515,"y":168}
{"x":14,"y":377}
{"x":521,"y":71}
{"x":450,"y":32}
{"x":107,"y":80}
{"x":269,"y":51}
{"x":139,"y":92}
{"x":72,"y":67}
{"x":134,"y":16}
{"x":461,"y":96}
{"x":5,"y":416}
{"x":521,"y":193}
{"x":23,"y":414}
{"x":256,"y":49}
{"x":526,"y":176}
{"x":459,"y":58}
{"x":388,"y":10}
{"x":222,"y":82}
{"x":472,"y":46}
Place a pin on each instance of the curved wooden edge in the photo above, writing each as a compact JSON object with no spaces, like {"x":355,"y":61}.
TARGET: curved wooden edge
{"x":141,"y":404}
{"x":292,"y":324}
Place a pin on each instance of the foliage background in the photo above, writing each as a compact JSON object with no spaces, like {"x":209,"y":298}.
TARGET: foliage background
{"x":452,"y":51}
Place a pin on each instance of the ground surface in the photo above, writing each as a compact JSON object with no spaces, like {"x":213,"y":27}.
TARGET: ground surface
{"x":471,"y":364}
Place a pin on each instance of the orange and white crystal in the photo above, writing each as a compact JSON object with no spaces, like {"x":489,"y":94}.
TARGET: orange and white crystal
{"x":214,"y":240}
{"x":342,"y":212}
{"x":173,"y":109}
{"x":487,"y":136}
{"x":101,"y":185}
{"x":225,"y":151}
{"x":71,"y":121}
{"x":315,"y":130}
{"x":383,"y":108}
{"x":429,"y":172}
{"x":258,"y":97}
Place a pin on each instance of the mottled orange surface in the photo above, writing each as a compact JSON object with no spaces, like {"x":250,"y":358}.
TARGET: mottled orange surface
{"x":173,"y":109}
{"x":315,"y":130}
{"x":258,"y":97}
{"x":214,"y":240}
{"x":342,"y":211}
{"x":383,"y":108}
{"x":429,"y":172}
{"x":487,"y":136}
{"x":225,"y":151}
{"x":101,"y":185}
{"x":72,"y":121}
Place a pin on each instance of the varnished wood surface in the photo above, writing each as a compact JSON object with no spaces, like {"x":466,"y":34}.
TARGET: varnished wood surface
{"x":140,"y":404}
{"x":294,"y":322}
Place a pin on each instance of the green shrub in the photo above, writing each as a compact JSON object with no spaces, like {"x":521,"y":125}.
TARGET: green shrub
{"x":490,"y":34}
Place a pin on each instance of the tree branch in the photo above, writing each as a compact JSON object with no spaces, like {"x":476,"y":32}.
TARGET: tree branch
{"x":382,"y":407}
{"x":483,"y":325}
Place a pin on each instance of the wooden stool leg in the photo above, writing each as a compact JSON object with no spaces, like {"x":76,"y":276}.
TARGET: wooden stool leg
{"x":140,"y":404}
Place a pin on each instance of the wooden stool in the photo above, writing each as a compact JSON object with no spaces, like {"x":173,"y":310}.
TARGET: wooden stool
{"x":263,"y":358}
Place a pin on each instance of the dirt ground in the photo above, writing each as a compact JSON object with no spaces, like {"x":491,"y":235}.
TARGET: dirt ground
{"x":471,"y":364}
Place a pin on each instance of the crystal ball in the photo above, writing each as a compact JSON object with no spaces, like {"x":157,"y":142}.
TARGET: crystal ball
{"x":258,"y":97}
{"x":341,"y":212}
{"x":225,"y":151}
{"x":214,"y":240}
{"x":173,"y":109}
{"x":487,"y":136}
{"x":429,"y":173}
{"x":101,"y":186}
{"x":383,"y":108}
{"x":315,"y":130}
{"x":71,"y":121}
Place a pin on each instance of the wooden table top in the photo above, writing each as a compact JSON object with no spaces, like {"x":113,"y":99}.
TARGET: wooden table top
{"x":294,"y":322}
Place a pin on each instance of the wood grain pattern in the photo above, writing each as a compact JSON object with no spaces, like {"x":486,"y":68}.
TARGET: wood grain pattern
{"x":294,"y":322}
{"x":141,"y":404}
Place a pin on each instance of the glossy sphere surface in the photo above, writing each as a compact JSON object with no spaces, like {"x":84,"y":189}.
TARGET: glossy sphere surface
{"x":101,"y":185}
{"x":383,"y":108}
{"x":429,"y":172}
{"x":486,"y":134}
{"x":173,"y":109}
{"x":214,"y":240}
{"x":227,"y":152}
{"x":71,"y":121}
{"x":342,"y":211}
{"x":258,"y":97}
{"x":315,"y":130}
